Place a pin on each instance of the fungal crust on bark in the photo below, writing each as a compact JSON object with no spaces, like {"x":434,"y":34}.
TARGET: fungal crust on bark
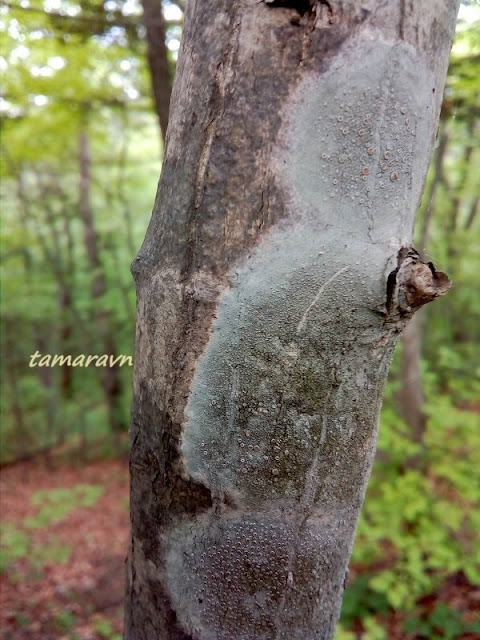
{"x":273,"y":283}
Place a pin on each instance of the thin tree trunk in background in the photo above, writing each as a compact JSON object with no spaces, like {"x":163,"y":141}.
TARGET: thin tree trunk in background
{"x":466,"y":167}
{"x":62,"y":268}
{"x":274,"y":280}
{"x":119,"y":188}
{"x":456,"y":202}
{"x":157,"y":56}
{"x":472,"y":214}
{"x":111,"y":380}
{"x":411,"y":395}
{"x":67,"y":307}
{"x":42,"y":342}
{"x":438,"y":179}
{"x":12,"y":374}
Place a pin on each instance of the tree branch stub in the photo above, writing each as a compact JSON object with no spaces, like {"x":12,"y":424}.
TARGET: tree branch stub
{"x":413,"y":284}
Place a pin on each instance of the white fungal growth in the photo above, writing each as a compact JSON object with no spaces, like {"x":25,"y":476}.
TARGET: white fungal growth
{"x":290,"y":381}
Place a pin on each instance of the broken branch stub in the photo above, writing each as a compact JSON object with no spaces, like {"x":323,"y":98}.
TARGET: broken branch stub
{"x":413,"y":284}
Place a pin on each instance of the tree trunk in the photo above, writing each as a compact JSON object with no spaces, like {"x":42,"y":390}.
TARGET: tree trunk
{"x":110,"y":376}
{"x":42,"y":341}
{"x":411,"y":395}
{"x":157,"y":57}
{"x":430,"y":197}
{"x":273,"y":283}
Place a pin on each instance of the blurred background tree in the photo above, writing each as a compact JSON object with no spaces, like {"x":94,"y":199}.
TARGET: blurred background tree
{"x":86,"y":87}
{"x":80,"y":161}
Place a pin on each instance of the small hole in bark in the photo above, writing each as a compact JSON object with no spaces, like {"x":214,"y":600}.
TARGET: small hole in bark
{"x":301,"y":6}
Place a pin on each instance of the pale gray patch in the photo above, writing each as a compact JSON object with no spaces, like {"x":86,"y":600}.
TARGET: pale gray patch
{"x":359,"y":140}
{"x":282,"y":415}
{"x":249,"y":378}
{"x":233,"y":579}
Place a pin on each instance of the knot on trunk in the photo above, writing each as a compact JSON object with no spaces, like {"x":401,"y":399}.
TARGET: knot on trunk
{"x":412,"y":284}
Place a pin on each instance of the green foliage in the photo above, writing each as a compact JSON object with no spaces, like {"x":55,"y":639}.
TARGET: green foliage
{"x":361,"y":601}
{"x":16,"y":544}
{"x":56,"y":504}
{"x":72,"y":70}
{"x":105,"y":629}
{"x":372,"y":630}
{"x":423,"y":523}
{"x":442,"y":623}
{"x":64,"y":620}
{"x":418,"y":524}
{"x":462,"y":86}
{"x":342,"y":634}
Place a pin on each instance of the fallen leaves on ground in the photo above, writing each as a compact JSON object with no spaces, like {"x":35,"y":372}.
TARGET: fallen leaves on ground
{"x":81,"y":598}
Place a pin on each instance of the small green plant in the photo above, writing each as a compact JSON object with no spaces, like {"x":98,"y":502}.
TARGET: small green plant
{"x":373,"y":630}
{"x":55,"y":551}
{"x":14,"y":544}
{"x":105,"y":629}
{"x":443,"y":623}
{"x":56,"y":504}
{"x":361,"y":601}
{"x":16,"y":541}
{"x":22,"y":620}
{"x":17,"y":544}
{"x":64,"y":620}
{"x":343,"y":634}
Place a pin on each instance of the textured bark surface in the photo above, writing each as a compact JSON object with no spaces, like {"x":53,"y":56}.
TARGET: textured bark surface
{"x":274,"y":280}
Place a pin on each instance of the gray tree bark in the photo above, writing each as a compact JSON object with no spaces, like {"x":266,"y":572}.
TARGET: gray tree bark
{"x":274,"y":280}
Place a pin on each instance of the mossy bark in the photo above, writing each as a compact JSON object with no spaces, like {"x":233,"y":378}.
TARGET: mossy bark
{"x":275,"y":278}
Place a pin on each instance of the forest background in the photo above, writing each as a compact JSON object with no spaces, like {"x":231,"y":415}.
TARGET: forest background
{"x":84,"y":107}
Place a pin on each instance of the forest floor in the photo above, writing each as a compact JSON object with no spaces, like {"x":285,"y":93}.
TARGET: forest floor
{"x":64,"y":541}
{"x":68,"y":578}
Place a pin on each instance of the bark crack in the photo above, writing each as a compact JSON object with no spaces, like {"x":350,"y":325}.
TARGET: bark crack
{"x":223,"y":77}
{"x":312,"y":480}
{"x":401,"y":23}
